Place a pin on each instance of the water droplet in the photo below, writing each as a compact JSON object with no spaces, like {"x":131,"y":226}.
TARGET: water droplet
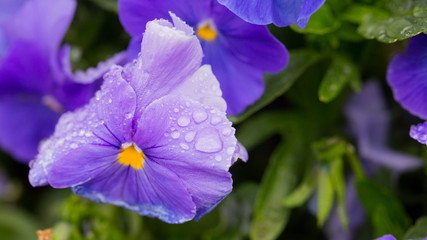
{"x":226,"y":131}
{"x":189,"y":136}
{"x":218,"y":158}
{"x":208,"y":141}
{"x":183,"y":121}
{"x":175,"y":135}
{"x":215,"y":120}
{"x":74,"y":146}
{"x":176,"y":110}
{"x":128,"y":115}
{"x":230,"y":150}
{"x":184,"y":146}
{"x":110,"y":100}
{"x":200,"y":116}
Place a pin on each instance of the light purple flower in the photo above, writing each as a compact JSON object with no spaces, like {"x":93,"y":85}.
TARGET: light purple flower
{"x":391,"y":237}
{"x":155,"y":139}
{"x":36,"y":82}
{"x":280,"y":12}
{"x":239,"y":52}
{"x":407,"y":76}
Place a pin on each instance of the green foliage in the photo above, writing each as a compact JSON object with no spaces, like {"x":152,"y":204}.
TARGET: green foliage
{"x":400,"y":19}
{"x":340,"y":72}
{"x":281,"y":176}
{"x":16,"y":224}
{"x":383,"y":208}
{"x":321,"y":22}
{"x":276,"y":85}
{"x":419,"y":230}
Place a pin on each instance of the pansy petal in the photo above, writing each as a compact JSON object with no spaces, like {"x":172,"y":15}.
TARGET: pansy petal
{"x":203,"y":87}
{"x":82,"y":164}
{"x":135,"y":14}
{"x":386,"y":237}
{"x":281,"y":13}
{"x":19,"y":74}
{"x":152,"y":191}
{"x":8,"y":8}
{"x":248,"y":43}
{"x":116,"y":105}
{"x":241,"y":83}
{"x":308,"y":8}
{"x":24,"y":123}
{"x":43,"y":22}
{"x":167,"y":58}
{"x":406,"y":76}
{"x":194,"y":141}
{"x":92,"y":73}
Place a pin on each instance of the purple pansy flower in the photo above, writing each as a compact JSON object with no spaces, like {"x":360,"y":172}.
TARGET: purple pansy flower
{"x":391,"y":237}
{"x":407,"y":76}
{"x":155,"y":139}
{"x":36,"y":82}
{"x":369,"y":122}
{"x":280,"y":12}
{"x":239,"y":52}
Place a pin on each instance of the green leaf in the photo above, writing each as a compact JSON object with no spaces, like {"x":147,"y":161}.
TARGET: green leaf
{"x":109,"y":5}
{"x":301,"y":194}
{"x":337,"y":176}
{"x":280,"y":178}
{"x":260,"y":127}
{"x":276,"y":85}
{"x":340,"y":72}
{"x":407,"y":18}
{"x":419,"y":230}
{"x":385,"y":211}
{"x":325,"y":196}
{"x":329,"y":149}
{"x":321,"y":22}
{"x":16,"y":225}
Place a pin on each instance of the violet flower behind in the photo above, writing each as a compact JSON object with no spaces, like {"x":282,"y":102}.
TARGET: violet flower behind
{"x":369,"y":121}
{"x":238,"y":52}
{"x":280,"y":12}
{"x":155,"y":139}
{"x":36,"y":83}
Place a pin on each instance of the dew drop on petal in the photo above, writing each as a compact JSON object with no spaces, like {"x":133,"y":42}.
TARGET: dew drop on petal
{"x":183,"y":121}
{"x":74,"y":146}
{"x":208,"y":141}
{"x":218,"y":158}
{"x":175,"y":135}
{"x":184,"y":146}
{"x":230,"y":150}
{"x":189,"y":136}
{"x":200,"y":116}
{"x":226,"y":131}
{"x":215,"y":120}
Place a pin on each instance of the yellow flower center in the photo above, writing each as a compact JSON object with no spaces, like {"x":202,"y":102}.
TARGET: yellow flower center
{"x":131,"y":155}
{"x":207,"y":31}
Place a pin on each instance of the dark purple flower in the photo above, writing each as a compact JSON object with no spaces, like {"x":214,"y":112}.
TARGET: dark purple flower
{"x":36,"y":83}
{"x":155,"y":139}
{"x":280,"y":12}
{"x":238,"y":52}
{"x":407,"y":76}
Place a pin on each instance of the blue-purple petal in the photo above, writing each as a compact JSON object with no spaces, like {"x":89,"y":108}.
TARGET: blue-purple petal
{"x":407,"y":76}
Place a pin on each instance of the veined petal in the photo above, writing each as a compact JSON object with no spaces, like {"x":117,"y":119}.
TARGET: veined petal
{"x":407,"y":76}
{"x":196,"y":142}
{"x":167,"y":58}
{"x":101,"y":122}
{"x":308,"y":8}
{"x":81,"y":165}
{"x":152,"y":191}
